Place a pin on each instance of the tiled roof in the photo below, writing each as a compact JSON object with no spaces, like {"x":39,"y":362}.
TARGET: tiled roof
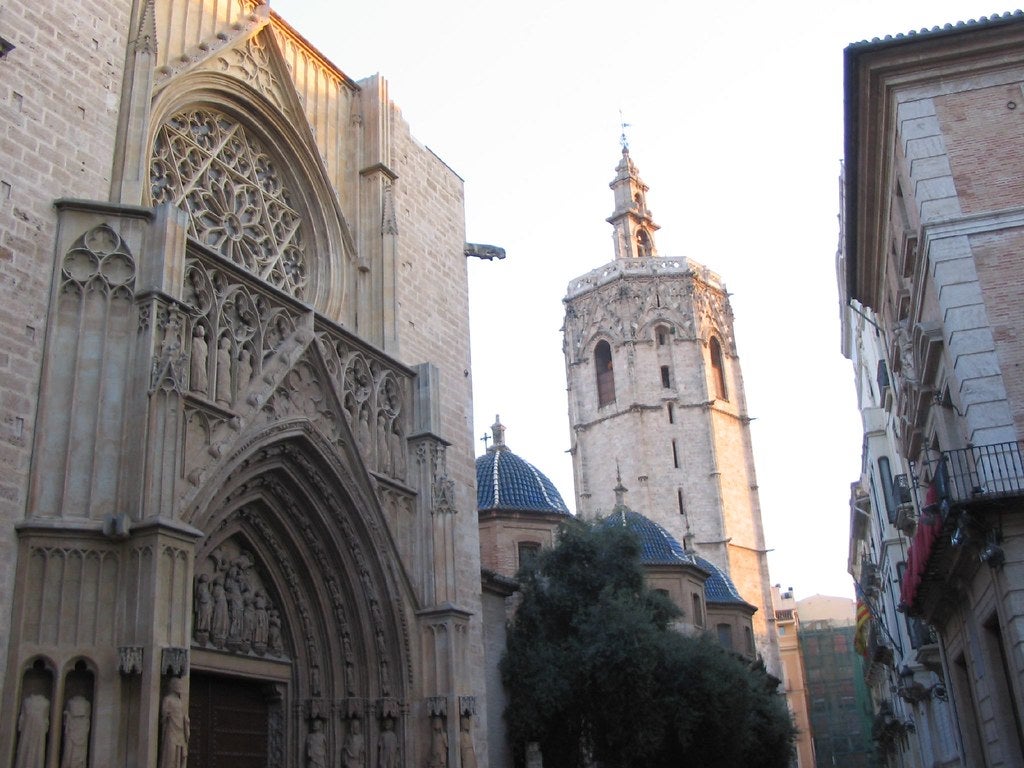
{"x":659,"y":547}
{"x":945,"y":29}
{"x":505,"y":481}
{"x":719,"y":587}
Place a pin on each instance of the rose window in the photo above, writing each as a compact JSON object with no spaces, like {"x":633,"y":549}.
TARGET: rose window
{"x":207,"y":164}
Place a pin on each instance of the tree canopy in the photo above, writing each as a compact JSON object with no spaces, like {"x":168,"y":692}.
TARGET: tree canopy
{"x":597,"y":675}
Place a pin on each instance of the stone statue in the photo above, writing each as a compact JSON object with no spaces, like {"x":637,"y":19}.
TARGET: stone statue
{"x":466,"y":749}
{"x":224,"y":371}
{"x":316,"y":746}
{"x":233,"y":592}
{"x":533,"y":756}
{"x":220,"y":621}
{"x":203,"y":608}
{"x":352,"y":753}
{"x":274,"y":640}
{"x":244,"y":369}
{"x":248,"y":622}
{"x":438,"y":755}
{"x":33,"y":725}
{"x":261,"y":632}
{"x":75,"y":749}
{"x":383,"y":454}
{"x":198,"y":377}
{"x":174,"y":727}
{"x":387,"y":745}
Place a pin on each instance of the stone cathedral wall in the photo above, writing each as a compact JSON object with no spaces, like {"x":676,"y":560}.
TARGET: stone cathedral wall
{"x":59,"y":98}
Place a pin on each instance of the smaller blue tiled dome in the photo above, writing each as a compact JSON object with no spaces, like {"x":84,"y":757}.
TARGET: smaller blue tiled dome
{"x":659,"y":547}
{"x":719,"y":587}
{"x":505,"y":481}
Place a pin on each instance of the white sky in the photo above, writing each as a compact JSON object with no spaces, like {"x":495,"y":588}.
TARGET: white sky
{"x":736,"y":125}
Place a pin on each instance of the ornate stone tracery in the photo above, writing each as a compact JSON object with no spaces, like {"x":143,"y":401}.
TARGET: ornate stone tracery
{"x":208,"y":164}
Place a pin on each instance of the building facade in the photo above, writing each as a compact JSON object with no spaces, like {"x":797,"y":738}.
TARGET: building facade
{"x":236,"y":435}
{"x":656,"y":396}
{"x":931,"y":283}
{"x":840,"y":710}
{"x":794,"y":678}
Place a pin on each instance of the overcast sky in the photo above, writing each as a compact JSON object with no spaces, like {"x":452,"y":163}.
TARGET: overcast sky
{"x":735,"y":115}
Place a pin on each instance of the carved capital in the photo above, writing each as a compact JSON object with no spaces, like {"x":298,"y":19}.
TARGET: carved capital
{"x":174,"y":661}
{"x":437,"y":706}
{"x":467,"y":706}
{"x":129,"y":660}
{"x":388,"y":707}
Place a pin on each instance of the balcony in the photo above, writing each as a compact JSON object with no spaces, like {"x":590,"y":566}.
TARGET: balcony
{"x":957,"y":493}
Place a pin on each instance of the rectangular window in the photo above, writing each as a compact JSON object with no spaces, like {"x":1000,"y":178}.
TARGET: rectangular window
{"x":665,"y":379}
{"x":671,"y":414}
{"x":679,"y":498}
{"x":675,"y":455}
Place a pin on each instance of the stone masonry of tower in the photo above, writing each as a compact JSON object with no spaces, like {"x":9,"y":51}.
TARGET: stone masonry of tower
{"x":656,"y":392}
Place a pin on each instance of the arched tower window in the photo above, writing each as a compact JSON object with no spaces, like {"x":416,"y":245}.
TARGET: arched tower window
{"x":643,"y":244}
{"x":605,"y":373}
{"x":661,"y":334}
{"x":718,"y":369}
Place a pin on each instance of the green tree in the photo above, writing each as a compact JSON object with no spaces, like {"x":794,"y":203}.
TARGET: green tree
{"x":596,"y":675}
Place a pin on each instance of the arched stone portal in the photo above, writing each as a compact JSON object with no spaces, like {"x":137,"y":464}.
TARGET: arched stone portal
{"x":296,"y":615}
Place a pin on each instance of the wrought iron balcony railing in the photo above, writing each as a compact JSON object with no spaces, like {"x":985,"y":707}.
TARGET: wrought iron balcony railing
{"x":970,"y":474}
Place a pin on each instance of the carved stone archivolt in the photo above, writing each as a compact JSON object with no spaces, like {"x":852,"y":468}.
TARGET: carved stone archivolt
{"x":238,"y":201}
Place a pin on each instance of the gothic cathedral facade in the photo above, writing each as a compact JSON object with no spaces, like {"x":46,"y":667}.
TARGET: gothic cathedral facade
{"x":237,"y":426}
{"x":656,"y":397}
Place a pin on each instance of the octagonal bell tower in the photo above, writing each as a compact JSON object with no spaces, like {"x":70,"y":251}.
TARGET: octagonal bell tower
{"x":655,"y":391}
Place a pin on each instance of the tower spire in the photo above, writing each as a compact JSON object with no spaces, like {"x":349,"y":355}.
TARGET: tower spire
{"x":634,"y":226}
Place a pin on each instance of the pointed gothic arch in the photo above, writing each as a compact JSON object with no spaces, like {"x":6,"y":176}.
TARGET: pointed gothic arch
{"x":283,"y":173}
{"x":297,"y":521}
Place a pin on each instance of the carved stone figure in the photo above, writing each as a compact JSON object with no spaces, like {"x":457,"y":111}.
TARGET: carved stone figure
{"x":387,"y":745}
{"x":233,"y":591}
{"x":203,"y":608}
{"x":198,"y":377}
{"x":244,"y":369}
{"x":438,"y":755}
{"x":261,"y":631}
{"x":534,"y":758}
{"x":352,"y":753}
{"x":248,"y":622}
{"x":363,"y":432}
{"x":274,"y":640}
{"x":33,"y":725}
{"x":224,"y":371}
{"x":220,"y":622}
{"x":383,"y":454}
{"x":77,"y":721}
{"x":466,"y":749}
{"x":174,"y":727}
{"x":316,"y":746}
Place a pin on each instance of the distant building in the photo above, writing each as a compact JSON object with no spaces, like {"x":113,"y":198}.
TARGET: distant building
{"x":794,"y":680}
{"x":840,"y":710}
{"x":656,"y":396}
{"x":931,"y":275}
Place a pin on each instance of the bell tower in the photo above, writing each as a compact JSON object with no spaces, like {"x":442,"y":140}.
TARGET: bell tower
{"x":655,"y":390}
{"x":632,"y":221}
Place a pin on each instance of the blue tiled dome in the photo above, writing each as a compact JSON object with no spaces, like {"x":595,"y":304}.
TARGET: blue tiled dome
{"x":659,"y":547}
{"x":505,"y":481}
{"x":719,"y":587}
